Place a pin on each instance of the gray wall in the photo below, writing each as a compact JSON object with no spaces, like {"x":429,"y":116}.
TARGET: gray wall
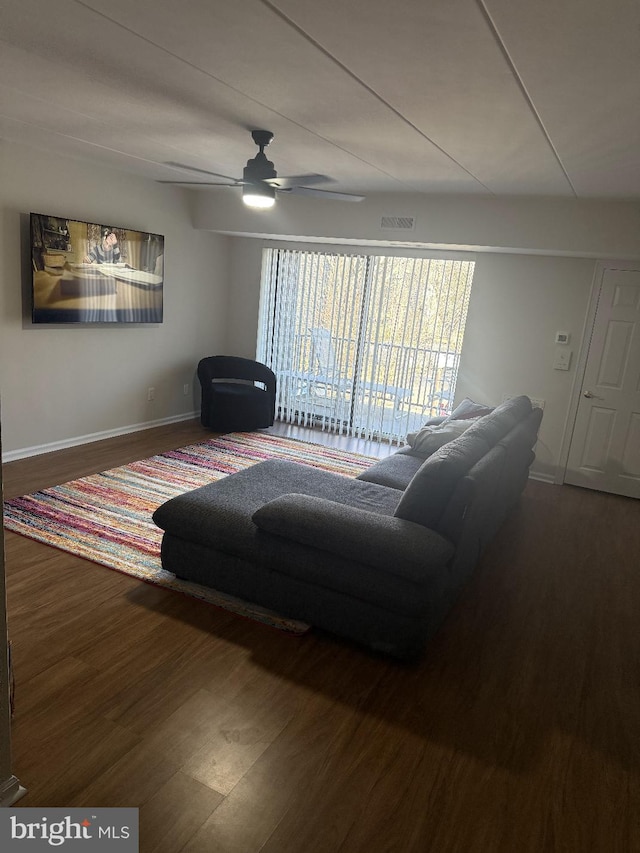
{"x":518,"y":302}
{"x":578,"y":228}
{"x":535,"y":265}
{"x":60,"y":385}
{"x":536,"y":259}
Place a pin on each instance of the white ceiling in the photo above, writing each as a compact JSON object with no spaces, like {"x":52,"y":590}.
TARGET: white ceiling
{"x":498,"y":97}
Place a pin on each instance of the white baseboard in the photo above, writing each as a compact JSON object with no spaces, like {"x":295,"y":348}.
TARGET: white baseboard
{"x":543,"y":478}
{"x":24,"y":452}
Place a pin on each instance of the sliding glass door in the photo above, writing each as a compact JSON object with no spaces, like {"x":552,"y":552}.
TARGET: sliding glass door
{"x":362,"y":344}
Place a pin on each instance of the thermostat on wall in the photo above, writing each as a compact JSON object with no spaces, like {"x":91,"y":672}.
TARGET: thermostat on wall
{"x":562,"y":337}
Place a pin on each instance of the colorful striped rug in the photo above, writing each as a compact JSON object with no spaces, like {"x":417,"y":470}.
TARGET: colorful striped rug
{"x":106,"y":517}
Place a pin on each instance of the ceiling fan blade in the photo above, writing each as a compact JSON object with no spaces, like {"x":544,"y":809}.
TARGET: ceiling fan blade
{"x":197,"y":184}
{"x":201,"y":171}
{"x":328,"y":194}
{"x":297,"y":180}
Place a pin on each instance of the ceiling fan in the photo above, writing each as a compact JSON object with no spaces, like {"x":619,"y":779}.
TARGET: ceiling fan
{"x":260,"y":181}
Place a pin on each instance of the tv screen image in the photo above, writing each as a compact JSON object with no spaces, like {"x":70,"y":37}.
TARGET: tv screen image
{"x":83,"y":272}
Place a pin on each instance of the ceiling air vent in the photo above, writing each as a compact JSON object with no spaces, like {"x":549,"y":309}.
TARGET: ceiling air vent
{"x":398,"y":223}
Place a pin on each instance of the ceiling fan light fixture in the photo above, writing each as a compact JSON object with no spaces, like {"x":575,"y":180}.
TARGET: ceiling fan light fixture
{"x":260,"y":181}
{"x":259,"y":196}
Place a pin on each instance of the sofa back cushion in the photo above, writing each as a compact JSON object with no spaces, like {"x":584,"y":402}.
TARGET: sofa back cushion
{"x":489,"y":490}
{"x":502,"y":420}
{"x":476,"y":501}
{"x":428,"y":493}
{"x":428,"y":439}
{"x":394,"y":471}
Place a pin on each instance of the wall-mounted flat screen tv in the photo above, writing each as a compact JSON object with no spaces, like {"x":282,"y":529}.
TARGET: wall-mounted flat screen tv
{"x":83,"y":272}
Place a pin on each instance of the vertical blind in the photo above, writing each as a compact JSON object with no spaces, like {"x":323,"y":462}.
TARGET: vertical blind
{"x":362,"y":345}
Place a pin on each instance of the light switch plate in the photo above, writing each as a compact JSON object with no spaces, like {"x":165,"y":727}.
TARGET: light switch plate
{"x":562,"y":360}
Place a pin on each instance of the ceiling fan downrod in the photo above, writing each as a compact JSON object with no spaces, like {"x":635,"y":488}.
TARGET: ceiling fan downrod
{"x":259,"y":168}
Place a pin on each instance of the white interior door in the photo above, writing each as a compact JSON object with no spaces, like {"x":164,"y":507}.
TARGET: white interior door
{"x":605,"y":446}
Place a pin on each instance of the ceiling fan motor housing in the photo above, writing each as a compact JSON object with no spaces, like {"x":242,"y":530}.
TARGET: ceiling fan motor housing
{"x":260,"y":180}
{"x":259,"y":169}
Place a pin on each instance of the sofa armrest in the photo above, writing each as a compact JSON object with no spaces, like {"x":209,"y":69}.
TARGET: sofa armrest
{"x":384,"y":542}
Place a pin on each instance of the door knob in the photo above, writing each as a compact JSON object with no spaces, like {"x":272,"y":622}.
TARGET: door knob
{"x":591,"y":396}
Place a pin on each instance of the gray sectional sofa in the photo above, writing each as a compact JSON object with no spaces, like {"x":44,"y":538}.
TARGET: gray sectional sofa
{"x":379,"y":559}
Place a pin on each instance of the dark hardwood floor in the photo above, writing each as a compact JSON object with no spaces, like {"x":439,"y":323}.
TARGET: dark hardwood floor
{"x":518,"y":732}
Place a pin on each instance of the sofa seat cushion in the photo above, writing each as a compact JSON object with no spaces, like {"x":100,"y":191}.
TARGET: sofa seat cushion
{"x":219,"y":514}
{"x":217,"y":519}
{"x":384,"y":542}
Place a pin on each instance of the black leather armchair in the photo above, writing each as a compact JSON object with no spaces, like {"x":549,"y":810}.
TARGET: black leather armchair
{"x":231,"y":399}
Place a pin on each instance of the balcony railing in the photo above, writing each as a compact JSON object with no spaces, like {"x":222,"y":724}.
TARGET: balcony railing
{"x":383,"y":389}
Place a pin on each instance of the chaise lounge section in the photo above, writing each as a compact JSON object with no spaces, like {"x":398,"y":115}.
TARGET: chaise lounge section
{"x":379,"y":559}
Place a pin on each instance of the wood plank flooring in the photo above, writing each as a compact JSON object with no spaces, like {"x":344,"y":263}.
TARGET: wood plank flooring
{"x":518,"y":732}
